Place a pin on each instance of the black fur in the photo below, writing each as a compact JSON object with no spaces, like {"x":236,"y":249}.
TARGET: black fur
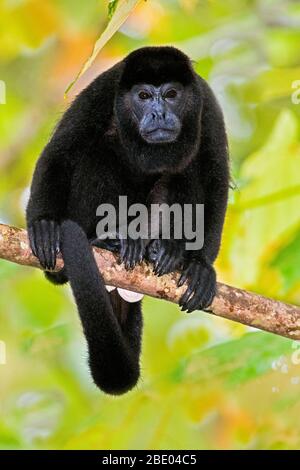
{"x":97,"y":154}
{"x":113,"y":334}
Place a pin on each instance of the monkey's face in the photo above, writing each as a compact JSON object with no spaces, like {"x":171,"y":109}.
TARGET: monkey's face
{"x":159,"y":125}
{"x":157,"y":111}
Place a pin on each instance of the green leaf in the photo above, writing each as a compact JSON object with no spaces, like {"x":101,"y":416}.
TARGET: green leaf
{"x":122,"y":9}
{"x":287,"y":261}
{"x":112,"y":5}
{"x":267,"y":208}
{"x":238,"y":361}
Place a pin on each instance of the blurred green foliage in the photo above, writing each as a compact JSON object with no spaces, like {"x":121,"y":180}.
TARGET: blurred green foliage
{"x":112,"y":5}
{"x":207,"y":383}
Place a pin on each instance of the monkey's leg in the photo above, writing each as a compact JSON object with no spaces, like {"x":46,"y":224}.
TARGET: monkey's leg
{"x":130,"y":319}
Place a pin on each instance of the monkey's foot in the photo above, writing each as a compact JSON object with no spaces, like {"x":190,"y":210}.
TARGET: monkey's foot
{"x":110,"y":244}
{"x":201,"y":278}
{"x":132,"y":251}
{"x":44,"y":238}
{"x":166,"y":255}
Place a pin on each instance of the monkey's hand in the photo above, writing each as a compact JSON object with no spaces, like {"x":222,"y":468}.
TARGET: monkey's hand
{"x":166,"y":255}
{"x":132,"y":251}
{"x":44,"y":242}
{"x":201,"y":278}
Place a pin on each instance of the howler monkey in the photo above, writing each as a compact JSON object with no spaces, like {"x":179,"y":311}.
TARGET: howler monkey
{"x":149,"y":128}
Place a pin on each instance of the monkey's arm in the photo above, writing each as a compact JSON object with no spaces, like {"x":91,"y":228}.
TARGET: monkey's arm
{"x":50,"y":188}
{"x":199,"y":269}
{"x":47,"y":206}
{"x":85,"y":120}
{"x":215,"y":203}
{"x":213,"y":173}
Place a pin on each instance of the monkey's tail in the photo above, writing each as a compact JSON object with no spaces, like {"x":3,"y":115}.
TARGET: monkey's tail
{"x":112,"y":326}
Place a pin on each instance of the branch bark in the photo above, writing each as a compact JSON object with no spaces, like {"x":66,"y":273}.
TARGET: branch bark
{"x":231,"y":303}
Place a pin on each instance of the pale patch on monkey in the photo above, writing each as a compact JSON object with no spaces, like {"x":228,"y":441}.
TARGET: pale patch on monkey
{"x":127,"y":295}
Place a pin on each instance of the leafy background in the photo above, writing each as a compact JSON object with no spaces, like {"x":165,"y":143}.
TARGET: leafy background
{"x":207,"y":383}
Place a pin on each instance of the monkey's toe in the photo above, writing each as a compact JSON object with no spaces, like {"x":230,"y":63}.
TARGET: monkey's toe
{"x":110,"y":244}
{"x":166,"y":255}
{"x":132,"y":252}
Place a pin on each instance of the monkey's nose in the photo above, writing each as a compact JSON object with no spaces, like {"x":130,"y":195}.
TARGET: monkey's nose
{"x":158,"y":116}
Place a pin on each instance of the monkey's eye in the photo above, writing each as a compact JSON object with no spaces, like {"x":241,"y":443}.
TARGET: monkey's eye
{"x":171,"y":93}
{"x":144,"y":95}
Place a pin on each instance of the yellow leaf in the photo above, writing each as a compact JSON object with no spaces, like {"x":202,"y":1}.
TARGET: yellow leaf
{"x":121,"y":14}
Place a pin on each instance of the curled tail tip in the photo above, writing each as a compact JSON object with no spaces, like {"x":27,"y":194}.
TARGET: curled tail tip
{"x":115,"y":389}
{"x":117,"y":384}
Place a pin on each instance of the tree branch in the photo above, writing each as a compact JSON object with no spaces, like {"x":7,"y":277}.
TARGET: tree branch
{"x":231,"y":303}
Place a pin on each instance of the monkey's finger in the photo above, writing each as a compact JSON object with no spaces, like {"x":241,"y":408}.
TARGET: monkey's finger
{"x":124,"y":249}
{"x":46,"y":234}
{"x":199,"y":301}
{"x":131,"y":254}
{"x":136,"y":251}
{"x":171,"y":265}
{"x":184,"y":276}
{"x":190,"y":298}
{"x":195,"y":302}
{"x":142,"y":250}
{"x":125,"y":256}
{"x":182,"y":279}
{"x":174,"y":260}
{"x":53,"y":241}
{"x":190,"y":289}
{"x":31,"y":237}
{"x":40,"y":245}
{"x":48,"y":229}
{"x":207,"y":298}
{"x":187,"y":274}
{"x":128,"y":254}
{"x":57,"y":238}
{"x":123,"y":244}
{"x":207,"y":295}
{"x":159,"y":258}
{"x":204,"y":292}
{"x":160,"y":266}
{"x":167,"y":263}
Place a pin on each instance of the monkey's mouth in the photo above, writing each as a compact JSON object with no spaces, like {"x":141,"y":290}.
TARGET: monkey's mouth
{"x":160,"y":135}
